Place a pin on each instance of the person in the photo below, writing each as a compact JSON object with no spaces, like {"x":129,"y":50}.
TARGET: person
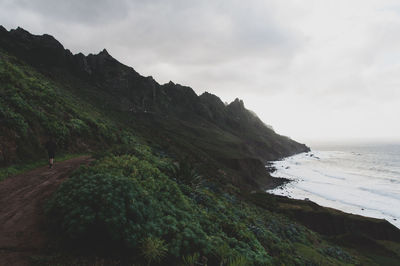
{"x":51,"y":151}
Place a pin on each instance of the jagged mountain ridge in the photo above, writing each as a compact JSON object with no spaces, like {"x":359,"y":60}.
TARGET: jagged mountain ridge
{"x":136,"y":93}
{"x":231,"y":134}
{"x":91,"y":98}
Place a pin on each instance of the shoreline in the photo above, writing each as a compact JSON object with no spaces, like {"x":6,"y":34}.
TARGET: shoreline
{"x":276,"y":181}
{"x":327,"y":221}
{"x":308,"y":190}
{"x":327,"y":207}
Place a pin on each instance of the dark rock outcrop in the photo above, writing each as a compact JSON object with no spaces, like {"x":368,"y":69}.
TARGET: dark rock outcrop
{"x":224,"y":132}
{"x":327,"y":221}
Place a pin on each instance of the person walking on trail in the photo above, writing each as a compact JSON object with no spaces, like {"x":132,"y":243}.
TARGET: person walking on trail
{"x":51,"y":151}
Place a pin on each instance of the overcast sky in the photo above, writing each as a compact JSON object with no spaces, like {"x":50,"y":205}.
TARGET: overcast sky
{"x":314,"y":70}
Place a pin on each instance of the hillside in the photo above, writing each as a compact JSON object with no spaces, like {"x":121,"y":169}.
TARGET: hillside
{"x":174,"y":179}
{"x":170,"y":115}
{"x":124,"y":209}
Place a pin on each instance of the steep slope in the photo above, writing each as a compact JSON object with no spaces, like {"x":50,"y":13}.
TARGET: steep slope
{"x":139,"y":203}
{"x":172,"y":116}
{"x":33,"y":108}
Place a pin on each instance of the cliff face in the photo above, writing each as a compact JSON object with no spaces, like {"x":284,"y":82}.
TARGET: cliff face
{"x":171,"y":115}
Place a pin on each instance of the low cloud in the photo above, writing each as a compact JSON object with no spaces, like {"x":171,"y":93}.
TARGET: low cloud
{"x":312,"y":69}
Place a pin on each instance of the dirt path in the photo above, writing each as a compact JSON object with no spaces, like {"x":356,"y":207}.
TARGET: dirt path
{"x":21,"y":210}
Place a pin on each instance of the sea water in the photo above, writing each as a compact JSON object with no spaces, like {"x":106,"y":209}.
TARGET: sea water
{"x":358,"y":179}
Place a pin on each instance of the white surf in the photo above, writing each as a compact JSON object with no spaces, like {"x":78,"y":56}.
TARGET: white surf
{"x":362,"y":180}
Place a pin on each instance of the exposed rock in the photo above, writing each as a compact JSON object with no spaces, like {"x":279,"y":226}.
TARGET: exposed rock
{"x":120,"y":88}
{"x":327,"y":221}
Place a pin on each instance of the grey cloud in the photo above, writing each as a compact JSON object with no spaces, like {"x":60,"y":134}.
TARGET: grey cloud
{"x":181,"y":32}
{"x":314,"y":61}
{"x":77,"y":11}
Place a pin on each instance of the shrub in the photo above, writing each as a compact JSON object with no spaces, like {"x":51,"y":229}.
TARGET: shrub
{"x":122,"y":200}
{"x":127,"y":203}
{"x":153,"y":249}
{"x":184,"y":172}
{"x":238,"y":261}
{"x":79,"y":126}
{"x":33,"y":107}
{"x":191,"y":260}
{"x":337,"y":253}
{"x":102,"y":208}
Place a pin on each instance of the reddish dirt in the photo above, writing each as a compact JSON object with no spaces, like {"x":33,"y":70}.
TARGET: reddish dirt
{"x":22,"y":197}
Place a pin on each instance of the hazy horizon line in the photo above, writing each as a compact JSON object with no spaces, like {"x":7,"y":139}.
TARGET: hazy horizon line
{"x":352,"y":141}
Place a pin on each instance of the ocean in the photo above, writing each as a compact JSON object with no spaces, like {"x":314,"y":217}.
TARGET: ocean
{"x":358,"y":179}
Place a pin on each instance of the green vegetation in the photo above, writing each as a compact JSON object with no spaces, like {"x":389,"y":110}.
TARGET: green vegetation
{"x":166,"y":188}
{"x":34,"y":108}
{"x":92,"y":102}
{"x":132,"y":207}
{"x":24,"y":167}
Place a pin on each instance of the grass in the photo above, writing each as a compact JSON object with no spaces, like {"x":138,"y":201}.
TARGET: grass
{"x":312,"y":254}
{"x":25,"y":167}
{"x":34,"y":107}
{"x":140,"y":199}
{"x":132,"y":200}
{"x":395,"y":247}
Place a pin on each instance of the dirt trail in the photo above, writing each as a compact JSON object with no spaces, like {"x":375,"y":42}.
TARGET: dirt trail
{"x":22,"y":197}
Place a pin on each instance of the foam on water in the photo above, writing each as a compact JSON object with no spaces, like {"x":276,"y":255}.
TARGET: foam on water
{"x":363,"y":180}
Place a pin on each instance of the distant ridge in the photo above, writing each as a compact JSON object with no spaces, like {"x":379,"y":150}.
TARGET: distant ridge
{"x":199,"y":125}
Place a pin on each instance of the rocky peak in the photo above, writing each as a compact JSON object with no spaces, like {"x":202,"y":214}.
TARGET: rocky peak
{"x":101,"y":56}
{"x":104,"y":53}
{"x":2,"y":29}
{"x":237,"y":104}
{"x":121,"y":88}
{"x":20,"y":31}
{"x":211,"y":99}
{"x":42,"y":51}
{"x":36,"y":40}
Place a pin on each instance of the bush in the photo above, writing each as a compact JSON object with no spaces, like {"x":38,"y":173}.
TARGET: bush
{"x":111,"y":210}
{"x":153,"y":249}
{"x":184,"y":172}
{"x":78,"y":126}
{"x":121,"y":201}
{"x":125,"y":203}
{"x":32,"y":107}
